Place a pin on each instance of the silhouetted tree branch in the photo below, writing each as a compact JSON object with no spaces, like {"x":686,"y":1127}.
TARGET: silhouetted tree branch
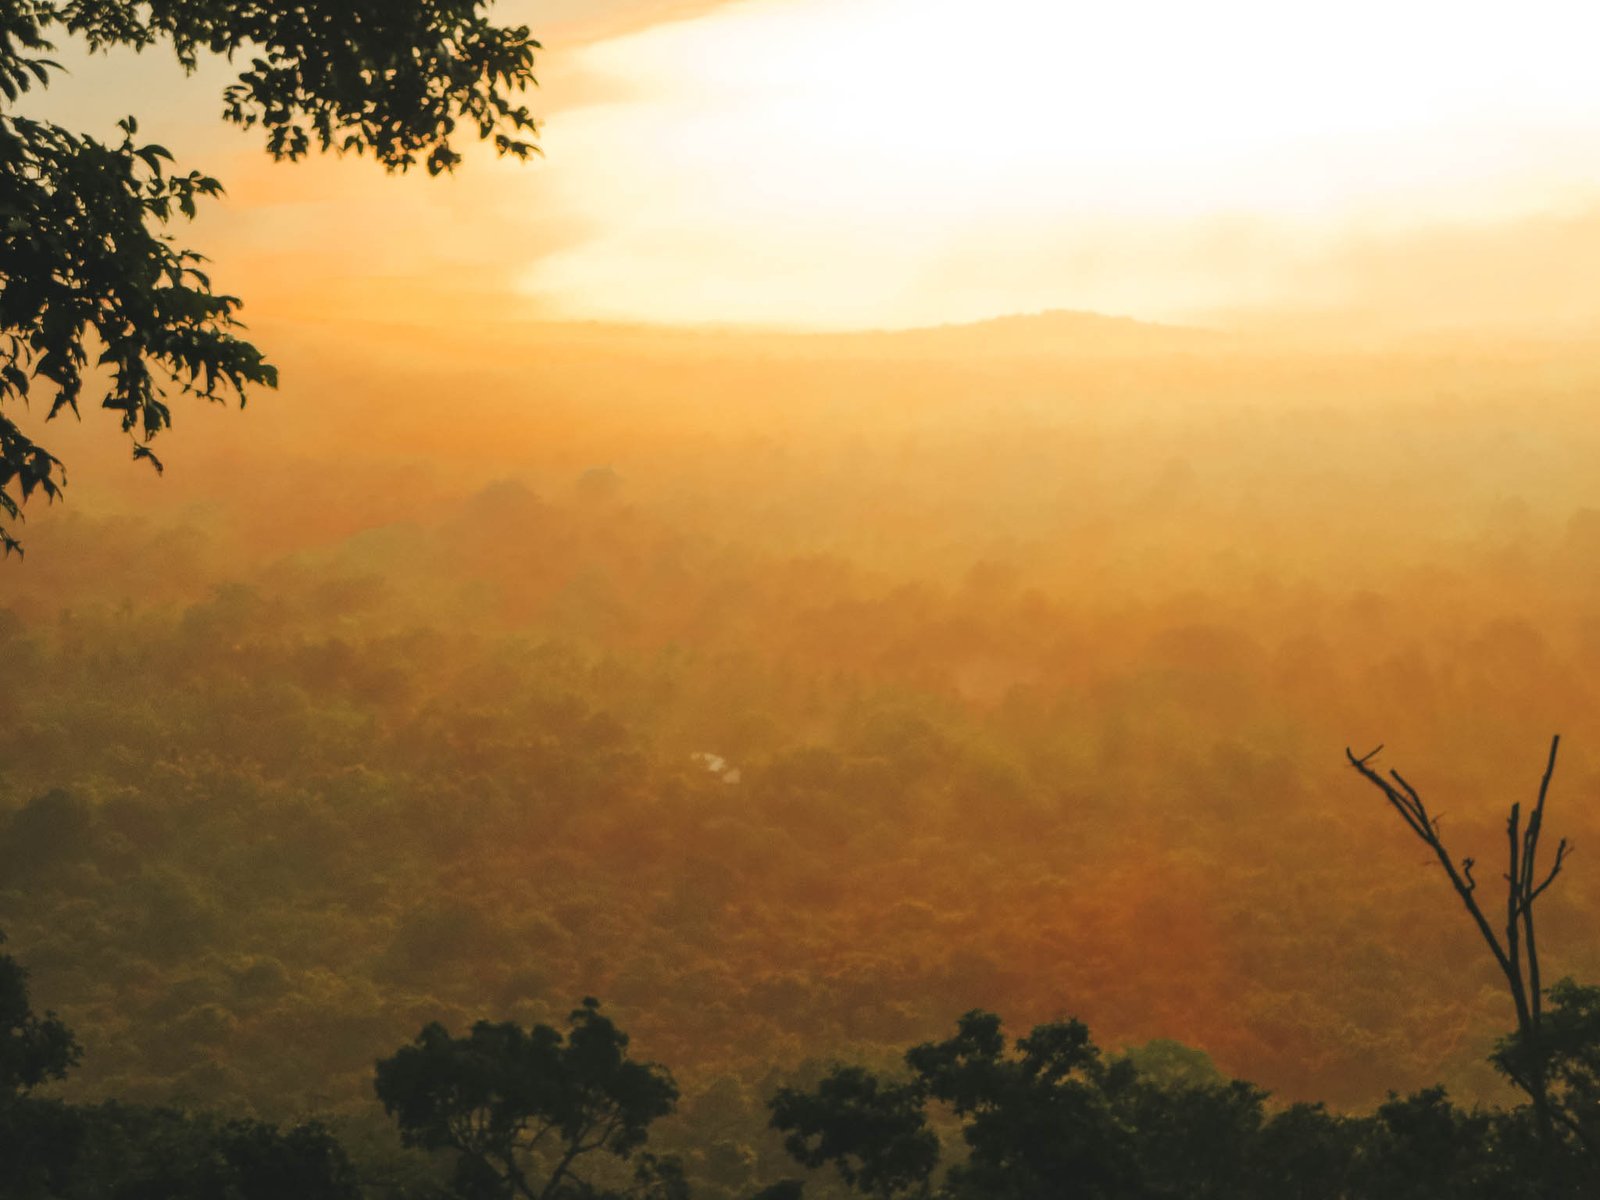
{"x":1515,"y":947}
{"x":524,"y":1109}
{"x":95,"y":296}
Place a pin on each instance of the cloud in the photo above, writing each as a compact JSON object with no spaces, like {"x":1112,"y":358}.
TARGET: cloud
{"x":887,"y":162}
{"x":849,"y":163}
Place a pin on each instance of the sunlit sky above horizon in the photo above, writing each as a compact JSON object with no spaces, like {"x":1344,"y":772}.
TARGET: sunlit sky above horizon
{"x":881,"y":163}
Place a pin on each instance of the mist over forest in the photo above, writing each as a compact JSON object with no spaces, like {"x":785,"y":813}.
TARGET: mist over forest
{"x":795,"y":693}
{"x":636,"y":708}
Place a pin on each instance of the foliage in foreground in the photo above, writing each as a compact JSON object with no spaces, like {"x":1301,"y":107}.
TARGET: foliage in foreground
{"x":528,"y":1113}
{"x":1050,"y":1116}
{"x":49,"y":1149}
{"x":541,"y":1115}
{"x":85,"y":264}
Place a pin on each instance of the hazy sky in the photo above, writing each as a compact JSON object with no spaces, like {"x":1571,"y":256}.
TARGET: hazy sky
{"x":892,"y":162}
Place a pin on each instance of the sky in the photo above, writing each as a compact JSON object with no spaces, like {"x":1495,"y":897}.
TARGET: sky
{"x":890,"y":163}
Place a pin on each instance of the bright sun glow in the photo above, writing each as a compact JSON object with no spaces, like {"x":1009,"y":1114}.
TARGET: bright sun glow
{"x":838,"y":162}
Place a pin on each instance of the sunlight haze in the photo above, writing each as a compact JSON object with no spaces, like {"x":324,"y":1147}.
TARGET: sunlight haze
{"x":884,"y":162}
{"x":899,"y":509}
{"x":842,"y":164}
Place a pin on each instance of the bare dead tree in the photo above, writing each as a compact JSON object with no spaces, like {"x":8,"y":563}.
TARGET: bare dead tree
{"x":1514,"y":945}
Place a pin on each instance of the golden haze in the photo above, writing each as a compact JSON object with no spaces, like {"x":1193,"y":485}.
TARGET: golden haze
{"x":1035,"y":646}
{"x":803,"y":689}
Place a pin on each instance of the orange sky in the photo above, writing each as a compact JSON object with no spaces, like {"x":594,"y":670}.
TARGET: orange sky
{"x":868,"y":163}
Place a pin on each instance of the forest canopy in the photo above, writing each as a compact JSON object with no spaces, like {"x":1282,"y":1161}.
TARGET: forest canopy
{"x":798,"y":695}
{"x":87,"y":269}
{"x":786,"y":734}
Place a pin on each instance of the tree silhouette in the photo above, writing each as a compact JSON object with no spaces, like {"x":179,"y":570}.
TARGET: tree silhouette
{"x":84,"y":264}
{"x":39,"y":1140}
{"x":129,"y":1152}
{"x":1045,"y":1117}
{"x":528,"y":1112}
{"x":33,"y":1049}
{"x":1050,"y":1118}
{"x":874,"y":1133}
{"x":1525,"y":1057}
{"x":1568,"y":1053}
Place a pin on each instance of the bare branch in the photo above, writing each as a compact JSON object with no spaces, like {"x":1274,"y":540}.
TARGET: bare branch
{"x":1549,"y":770}
{"x":1517,"y":956}
{"x":1414,"y":812}
{"x":1562,"y":849}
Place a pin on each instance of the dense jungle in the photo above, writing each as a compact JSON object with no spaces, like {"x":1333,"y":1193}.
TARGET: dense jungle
{"x":796,"y":694}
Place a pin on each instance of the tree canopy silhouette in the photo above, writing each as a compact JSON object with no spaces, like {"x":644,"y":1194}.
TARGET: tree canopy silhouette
{"x":1048,"y":1117}
{"x":52,"y":1149}
{"x":33,"y":1049}
{"x":529,"y":1113}
{"x":85,"y":267}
